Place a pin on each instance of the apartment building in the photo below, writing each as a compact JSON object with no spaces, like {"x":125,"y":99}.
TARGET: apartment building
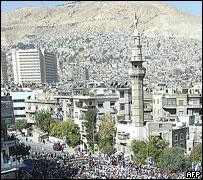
{"x":169,"y":107}
{"x":34,"y":66}
{"x":43,"y":101}
{"x":9,"y":168}
{"x":4,"y":75}
{"x":19,"y":102}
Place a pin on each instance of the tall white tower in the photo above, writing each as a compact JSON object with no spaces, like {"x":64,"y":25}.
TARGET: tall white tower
{"x":137,"y":73}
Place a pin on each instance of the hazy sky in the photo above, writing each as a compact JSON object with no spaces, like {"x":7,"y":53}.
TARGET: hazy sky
{"x":192,"y":7}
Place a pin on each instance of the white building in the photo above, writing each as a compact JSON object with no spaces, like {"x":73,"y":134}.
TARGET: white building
{"x":4,"y":75}
{"x":33,"y":65}
{"x":19,"y":102}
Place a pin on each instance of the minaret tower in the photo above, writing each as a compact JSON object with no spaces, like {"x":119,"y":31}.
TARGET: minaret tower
{"x":137,"y":73}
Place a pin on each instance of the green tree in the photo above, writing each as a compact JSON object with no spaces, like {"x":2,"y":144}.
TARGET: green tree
{"x":197,"y":155}
{"x":107,"y":133}
{"x":20,"y":125}
{"x":156,"y":147}
{"x":44,"y":119}
{"x":139,"y":149}
{"x":72,"y":132}
{"x":68,"y":129}
{"x":174,"y":159}
{"x":90,"y":126}
{"x":153,"y":148}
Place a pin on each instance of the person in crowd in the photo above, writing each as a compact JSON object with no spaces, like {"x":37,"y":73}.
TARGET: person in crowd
{"x":48,"y":166}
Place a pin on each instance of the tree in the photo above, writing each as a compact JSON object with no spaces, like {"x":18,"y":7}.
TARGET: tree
{"x":72,"y":133}
{"x":174,"y":159}
{"x":139,"y":149}
{"x":68,"y":129}
{"x":90,"y":126}
{"x":20,"y":125}
{"x":107,"y":132}
{"x":198,"y":153}
{"x":43,"y":120}
{"x":156,"y":147}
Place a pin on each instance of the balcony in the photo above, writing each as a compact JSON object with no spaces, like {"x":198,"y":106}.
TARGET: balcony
{"x":123,"y":136}
{"x":136,"y":72}
{"x":148,"y":109}
{"x":170,"y":106}
{"x":194,"y":106}
{"x":30,"y":111}
{"x":11,"y":165}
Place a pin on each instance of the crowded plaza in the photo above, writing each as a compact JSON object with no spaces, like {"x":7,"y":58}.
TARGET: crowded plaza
{"x":80,"y":166}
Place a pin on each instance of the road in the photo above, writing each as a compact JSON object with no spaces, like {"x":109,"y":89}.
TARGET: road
{"x":40,"y":146}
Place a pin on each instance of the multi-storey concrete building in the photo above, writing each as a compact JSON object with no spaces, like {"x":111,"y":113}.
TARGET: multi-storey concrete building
{"x":9,"y":168}
{"x":34,"y":66}
{"x":43,"y":101}
{"x":4,"y":75}
{"x":169,"y":107}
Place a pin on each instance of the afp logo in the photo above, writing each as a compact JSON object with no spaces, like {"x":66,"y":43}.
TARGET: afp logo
{"x":193,"y":174}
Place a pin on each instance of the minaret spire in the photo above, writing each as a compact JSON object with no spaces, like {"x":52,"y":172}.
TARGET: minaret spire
{"x":137,"y":73}
{"x":136,"y":21}
{"x":136,"y":30}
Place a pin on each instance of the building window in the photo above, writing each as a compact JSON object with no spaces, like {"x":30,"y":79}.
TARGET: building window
{"x":158,"y":111}
{"x":113,"y":91}
{"x":160,"y":125}
{"x":181,"y":136}
{"x":157,"y":101}
{"x":181,"y":102}
{"x":122,"y":106}
{"x":154,"y":101}
{"x":171,"y":101}
{"x":121,"y":94}
{"x":181,"y":144}
{"x":101,"y":115}
{"x":175,"y":145}
{"x":192,"y":101}
{"x":190,"y":112}
{"x":18,"y":100}
{"x":189,"y":149}
{"x":176,"y":137}
{"x":180,"y":112}
{"x":100,"y":104}
{"x":19,"y":108}
{"x":112,"y":103}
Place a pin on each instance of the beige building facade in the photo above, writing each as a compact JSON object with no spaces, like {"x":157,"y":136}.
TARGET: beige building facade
{"x":34,"y":66}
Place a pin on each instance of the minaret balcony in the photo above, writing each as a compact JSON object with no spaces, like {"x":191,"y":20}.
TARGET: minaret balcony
{"x":137,"y":72}
{"x":136,"y":58}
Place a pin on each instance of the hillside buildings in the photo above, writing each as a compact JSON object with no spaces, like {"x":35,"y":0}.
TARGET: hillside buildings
{"x":34,"y":66}
{"x":4,"y":75}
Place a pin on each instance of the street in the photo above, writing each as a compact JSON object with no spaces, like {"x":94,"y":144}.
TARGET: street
{"x":40,"y":146}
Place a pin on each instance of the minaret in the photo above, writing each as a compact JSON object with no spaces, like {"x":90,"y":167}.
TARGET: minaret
{"x":137,"y":73}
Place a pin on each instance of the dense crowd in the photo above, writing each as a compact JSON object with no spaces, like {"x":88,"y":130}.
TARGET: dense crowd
{"x":49,"y":166}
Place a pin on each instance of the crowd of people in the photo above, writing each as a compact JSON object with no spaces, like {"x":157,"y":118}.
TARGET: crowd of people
{"x":50,"y":166}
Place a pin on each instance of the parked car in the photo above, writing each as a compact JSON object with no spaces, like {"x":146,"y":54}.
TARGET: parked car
{"x":57,"y":147}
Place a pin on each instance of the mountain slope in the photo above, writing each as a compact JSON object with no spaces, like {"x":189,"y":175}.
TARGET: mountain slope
{"x":155,"y":18}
